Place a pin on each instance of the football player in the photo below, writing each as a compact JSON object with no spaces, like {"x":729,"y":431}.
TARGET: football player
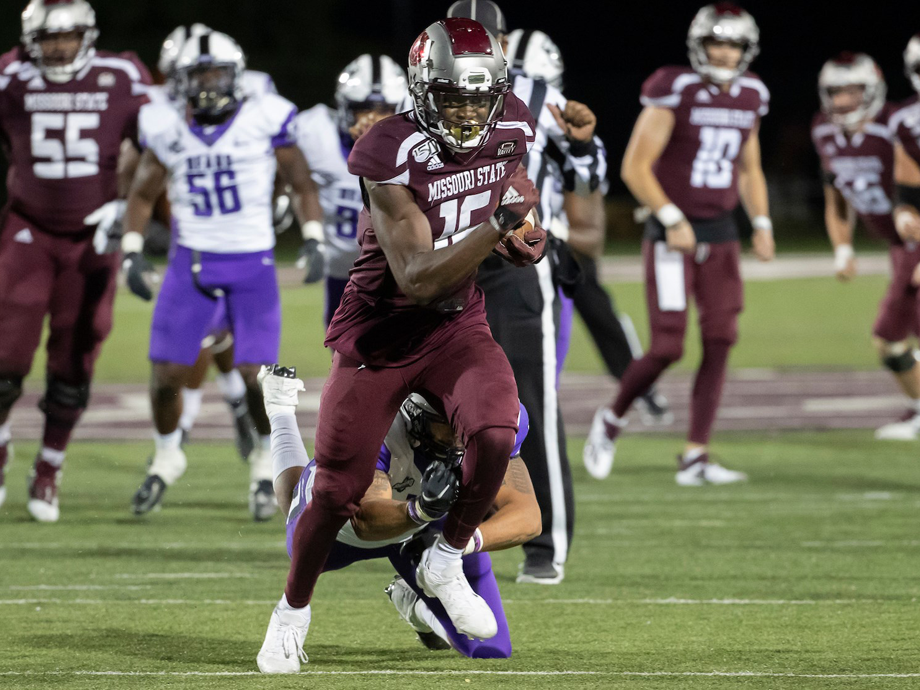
{"x":694,"y":150}
{"x":443,"y":188}
{"x":66,"y":109}
{"x":415,"y":483}
{"x":219,"y":160}
{"x":853,"y":137}
{"x":528,"y":331}
{"x":368,"y":89}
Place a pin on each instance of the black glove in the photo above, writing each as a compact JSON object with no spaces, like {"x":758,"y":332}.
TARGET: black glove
{"x":312,"y":257}
{"x":413,"y":548}
{"x":567,"y":273}
{"x":440,"y":488}
{"x":136,"y":268}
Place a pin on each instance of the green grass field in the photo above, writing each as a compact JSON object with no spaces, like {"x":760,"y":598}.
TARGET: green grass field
{"x":809,"y":570}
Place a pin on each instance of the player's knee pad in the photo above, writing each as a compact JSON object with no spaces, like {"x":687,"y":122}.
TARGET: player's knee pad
{"x":59,"y":394}
{"x":898,"y":357}
{"x":10,"y":390}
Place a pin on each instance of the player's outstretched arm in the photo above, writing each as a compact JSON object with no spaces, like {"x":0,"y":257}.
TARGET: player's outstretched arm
{"x":752,"y":186}
{"x":517,"y":516}
{"x":148,"y":184}
{"x":295,"y":172}
{"x":587,"y":222}
{"x":405,"y":237}
{"x":840,"y":219}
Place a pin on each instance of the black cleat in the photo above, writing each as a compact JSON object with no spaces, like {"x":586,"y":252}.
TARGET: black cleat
{"x":262,"y":502}
{"x":246,"y":434}
{"x":655,"y":410}
{"x":149,"y":495}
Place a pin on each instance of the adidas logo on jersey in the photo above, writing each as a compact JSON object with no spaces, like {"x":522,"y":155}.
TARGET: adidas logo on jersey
{"x":703,"y":97}
{"x":106,"y":80}
{"x":434,"y":163}
{"x":512,"y":196}
{"x":24,"y":236}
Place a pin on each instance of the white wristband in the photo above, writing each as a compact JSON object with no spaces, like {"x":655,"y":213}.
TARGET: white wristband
{"x":132,"y":242}
{"x":312,"y":230}
{"x":902,"y":219}
{"x":842,"y":255}
{"x":669,"y":215}
{"x":762,"y":223}
{"x":474,"y":545}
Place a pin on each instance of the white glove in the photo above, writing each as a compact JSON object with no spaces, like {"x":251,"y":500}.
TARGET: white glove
{"x":279,"y":389}
{"x":107,"y":219}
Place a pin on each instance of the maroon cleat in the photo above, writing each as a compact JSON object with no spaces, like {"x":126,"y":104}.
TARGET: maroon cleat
{"x":43,"y":487}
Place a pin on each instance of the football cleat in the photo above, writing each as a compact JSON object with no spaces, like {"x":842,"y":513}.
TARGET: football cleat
{"x":540,"y":573}
{"x":905,"y":429}
{"x":43,"y":488}
{"x":405,"y":600}
{"x":149,"y":495}
{"x":700,"y":471}
{"x":262,"y":502}
{"x":654,"y":409}
{"x":468,"y":611}
{"x":282,"y":650}
{"x":600,"y":447}
{"x":245,"y":428}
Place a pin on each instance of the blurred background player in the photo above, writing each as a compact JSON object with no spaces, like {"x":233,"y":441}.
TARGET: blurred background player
{"x":858,"y":156}
{"x":527,"y":329}
{"x":443,"y":188}
{"x":581,"y":222}
{"x":368,"y":89}
{"x":416,"y":481}
{"x":693,"y":151}
{"x":219,"y":159}
{"x":59,"y":188}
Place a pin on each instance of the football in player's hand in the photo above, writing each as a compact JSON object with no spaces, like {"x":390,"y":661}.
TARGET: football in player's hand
{"x":520,"y":230}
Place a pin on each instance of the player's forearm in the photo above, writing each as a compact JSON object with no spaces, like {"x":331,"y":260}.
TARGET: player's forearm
{"x":752,"y":186}
{"x":515,"y":523}
{"x":644,"y":186}
{"x":587,"y":222}
{"x":137,"y":213}
{"x":839,"y":228}
{"x":128,"y":160}
{"x":382,"y":518}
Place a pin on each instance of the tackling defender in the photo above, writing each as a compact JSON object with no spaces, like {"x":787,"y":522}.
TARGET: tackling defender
{"x":694,"y":150}
{"x":65,"y":111}
{"x":415,"y":483}
{"x":853,"y":137}
{"x":220,"y":162}
{"x":443,"y":188}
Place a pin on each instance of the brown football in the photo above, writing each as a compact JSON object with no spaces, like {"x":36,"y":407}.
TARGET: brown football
{"x":520,"y":230}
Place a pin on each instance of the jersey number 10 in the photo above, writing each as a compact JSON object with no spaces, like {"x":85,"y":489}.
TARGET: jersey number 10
{"x":714,"y":163}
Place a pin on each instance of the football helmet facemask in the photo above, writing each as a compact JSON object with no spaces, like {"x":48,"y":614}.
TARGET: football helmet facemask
{"x":209,"y":75}
{"x":458,"y":79}
{"x":846,"y":71}
{"x":419,"y":416}
{"x":722,"y":21}
{"x":44,"y":18}
{"x":368,"y":83}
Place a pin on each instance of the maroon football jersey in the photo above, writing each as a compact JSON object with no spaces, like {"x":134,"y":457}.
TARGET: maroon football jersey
{"x":62,"y":140}
{"x":861,"y":166}
{"x":905,"y":125}
{"x":698,"y":169}
{"x":376,"y":323}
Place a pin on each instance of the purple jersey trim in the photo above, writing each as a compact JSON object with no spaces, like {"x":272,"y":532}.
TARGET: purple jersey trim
{"x":216,"y":133}
{"x":383,"y":458}
{"x":523,"y":428}
{"x":285,"y":137}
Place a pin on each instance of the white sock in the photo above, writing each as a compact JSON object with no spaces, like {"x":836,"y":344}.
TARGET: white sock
{"x":443,"y":555}
{"x":191,"y":406}
{"x":52,"y":456}
{"x":232,"y":386}
{"x":285,"y":606}
{"x":260,"y":464}
{"x":611,"y":418}
{"x":431,"y":620}
{"x":169,"y":441}
{"x":692,"y":455}
{"x":6,"y":433}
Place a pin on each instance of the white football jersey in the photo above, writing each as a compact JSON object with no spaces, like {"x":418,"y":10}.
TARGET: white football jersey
{"x":221,"y":178}
{"x":320,"y":140}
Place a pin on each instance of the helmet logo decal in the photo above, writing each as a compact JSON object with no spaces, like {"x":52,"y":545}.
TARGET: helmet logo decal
{"x":419,"y":50}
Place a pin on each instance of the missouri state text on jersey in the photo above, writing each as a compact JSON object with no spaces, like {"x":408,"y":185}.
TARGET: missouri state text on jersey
{"x":221,"y":177}
{"x":698,"y":167}
{"x":376,"y":323}
{"x":861,"y":167}
{"x":63,"y":140}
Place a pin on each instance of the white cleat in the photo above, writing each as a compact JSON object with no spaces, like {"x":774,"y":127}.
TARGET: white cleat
{"x":43,"y":492}
{"x":701,"y":471}
{"x":44,"y":511}
{"x":2,"y":495}
{"x":282,"y":650}
{"x":601,"y":445}
{"x":468,"y":611}
{"x":905,"y":429}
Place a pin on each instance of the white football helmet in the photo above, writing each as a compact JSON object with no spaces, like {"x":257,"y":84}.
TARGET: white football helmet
{"x":722,"y":21}
{"x":173,"y":45}
{"x":535,"y":55}
{"x":852,"y":69}
{"x":369,"y":83}
{"x":912,"y":61}
{"x":209,"y":76}
{"x":458,"y":78}
{"x":42,"y":17}
{"x":418,"y":415}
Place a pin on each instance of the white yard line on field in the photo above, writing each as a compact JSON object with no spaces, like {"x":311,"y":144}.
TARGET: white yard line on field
{"x":180,"y":576}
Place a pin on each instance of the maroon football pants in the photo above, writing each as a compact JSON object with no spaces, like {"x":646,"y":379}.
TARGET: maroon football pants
{"x":471,"y":377}
{"x":712,"y":278}
{"x":60,"y":276}
{"x":897,"y":317}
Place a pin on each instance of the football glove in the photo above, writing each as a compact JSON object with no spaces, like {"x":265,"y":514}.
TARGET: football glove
{"x":519,"y":196}
{"x":412,"y":548}
{"x":313,"y":252}
{"x":523,"y":251}
{"x":137,"y":272}
{"x":107,"y":219}
{"x":440,"y":488}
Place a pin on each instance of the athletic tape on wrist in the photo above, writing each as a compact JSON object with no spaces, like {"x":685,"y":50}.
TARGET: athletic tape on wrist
{"x":842,"y":255}
{"x":132,"y":242}
{"x":475,"y":543}
{"x":312,"y":230}
{"x":762,"y":223}
{"x":669,"y":215}
{"x":416,"y":514}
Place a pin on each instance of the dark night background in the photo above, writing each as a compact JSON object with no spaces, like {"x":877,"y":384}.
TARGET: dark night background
{"x":609,"y":49}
